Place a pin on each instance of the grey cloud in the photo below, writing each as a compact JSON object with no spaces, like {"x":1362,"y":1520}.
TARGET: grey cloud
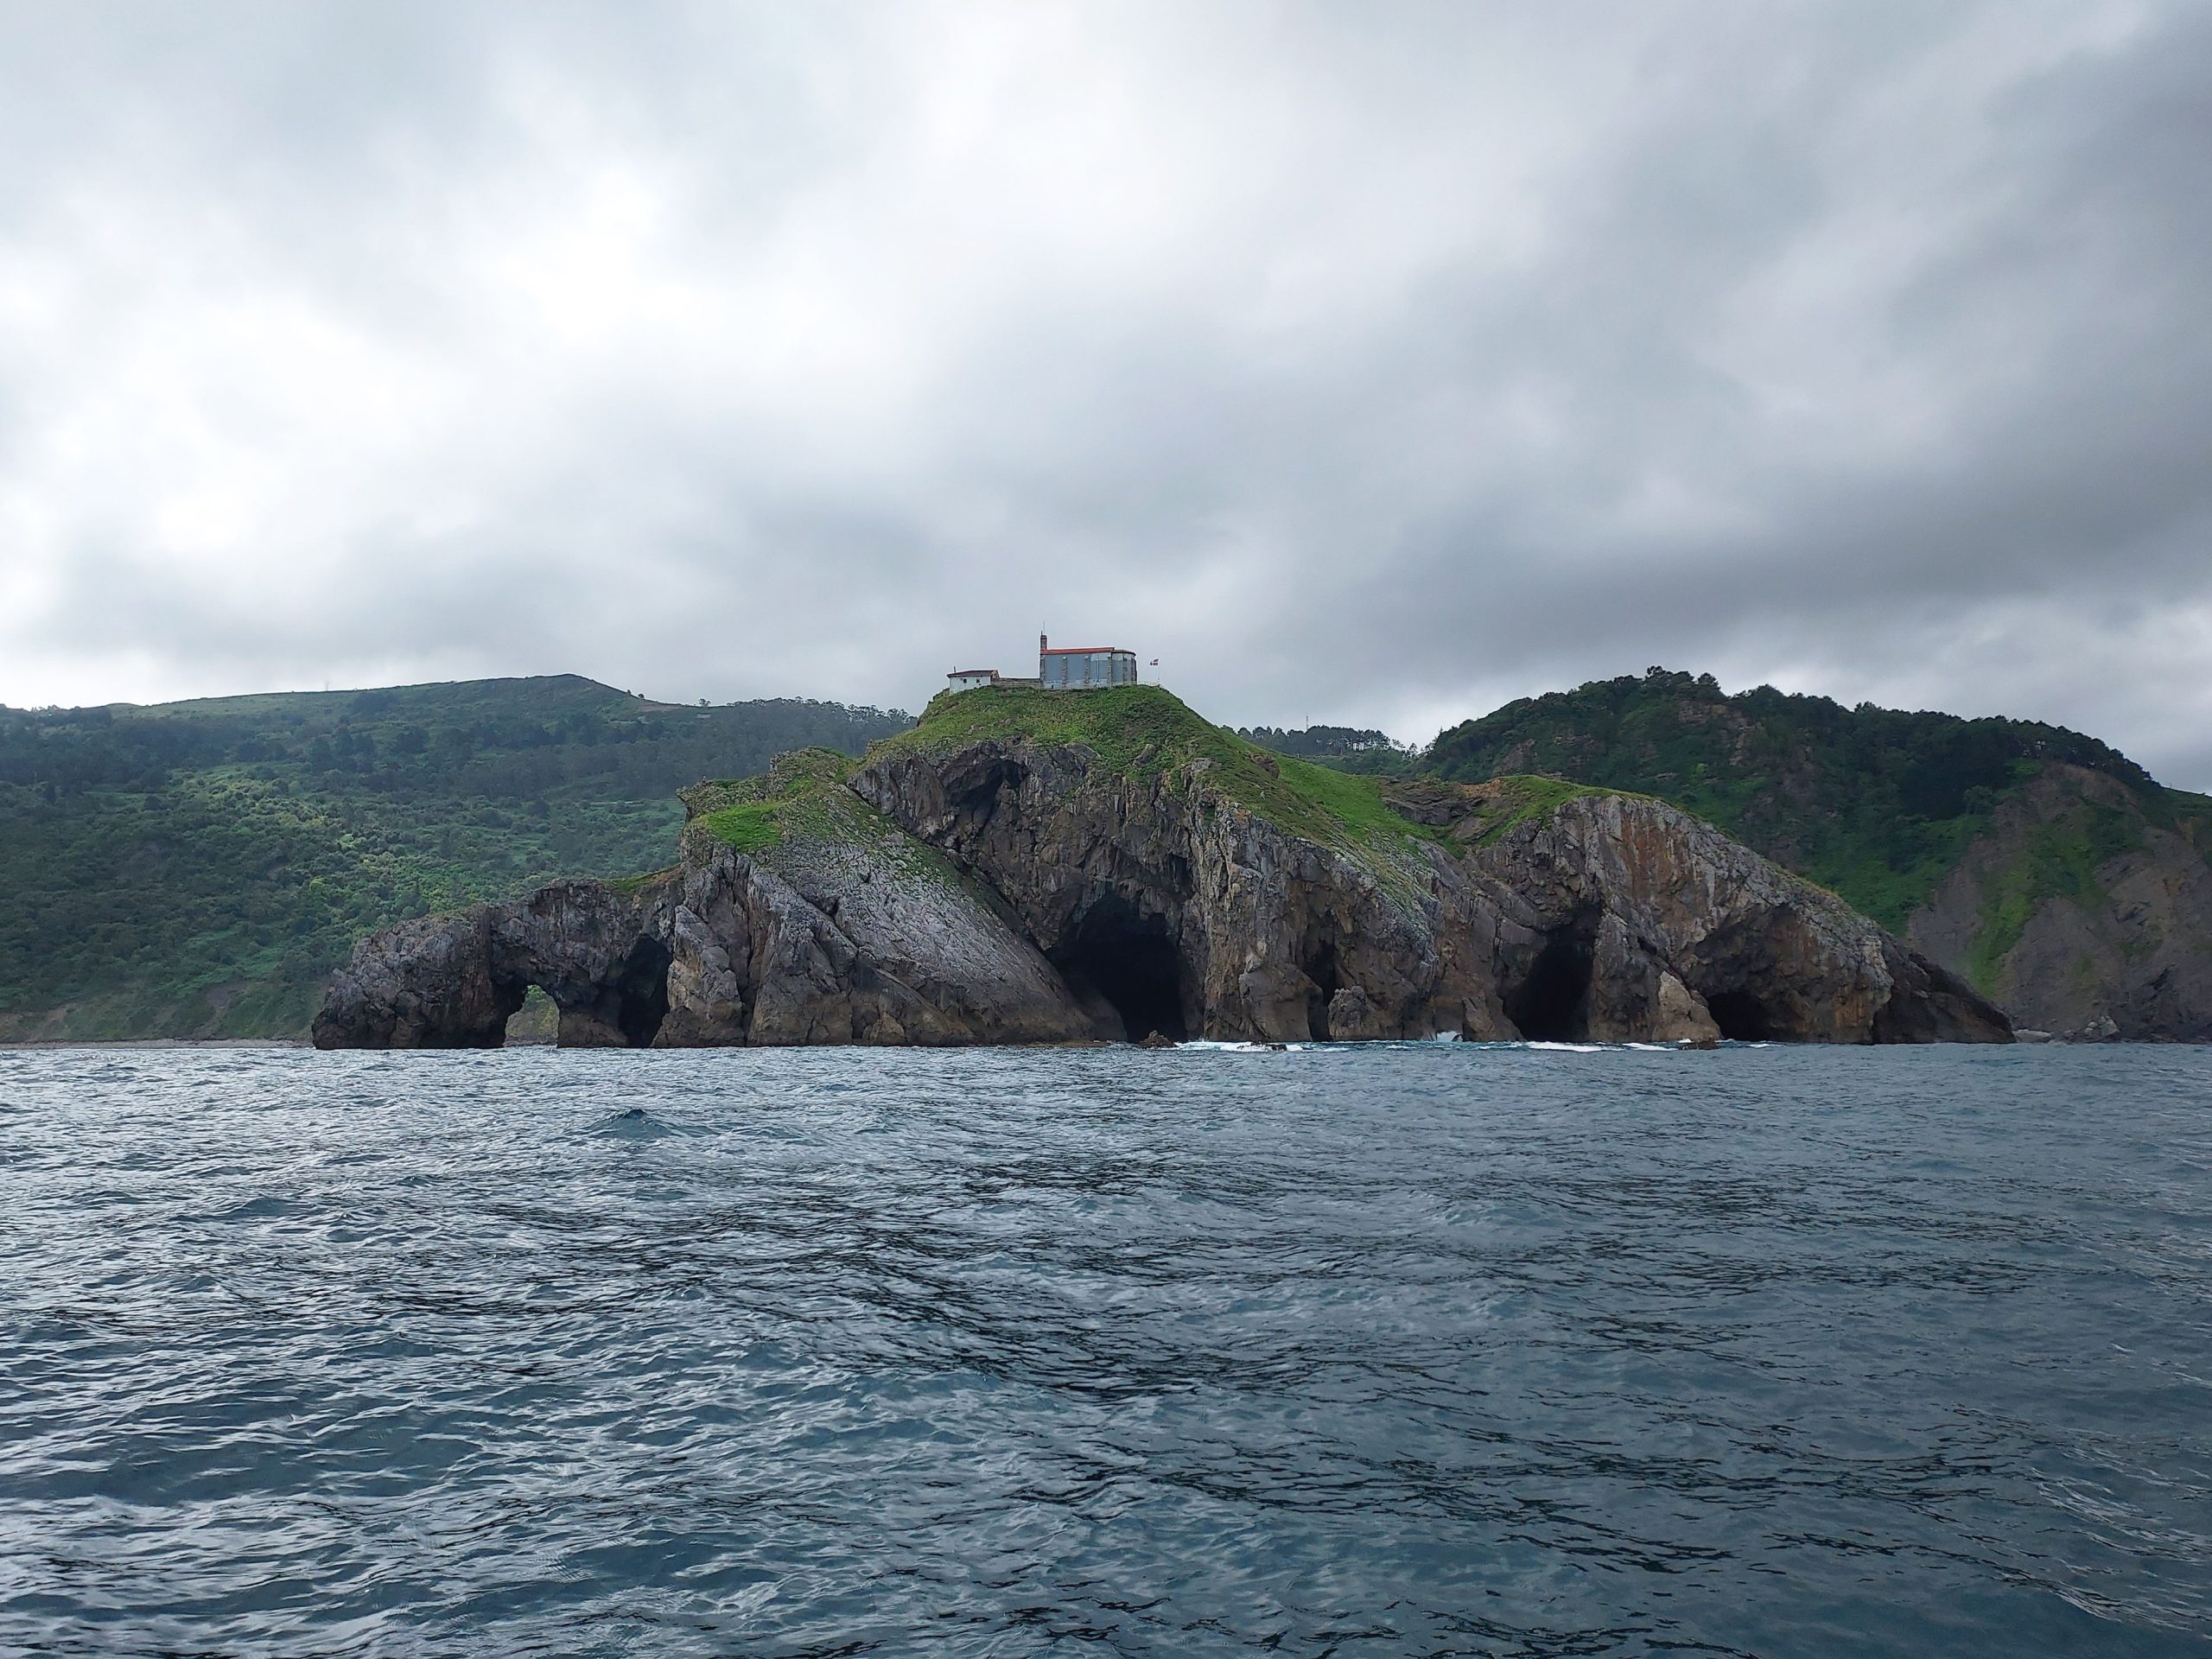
{"x":1371,"y":367}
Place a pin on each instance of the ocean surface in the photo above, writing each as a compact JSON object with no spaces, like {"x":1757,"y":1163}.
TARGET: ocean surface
{"x":1419,"y":1349}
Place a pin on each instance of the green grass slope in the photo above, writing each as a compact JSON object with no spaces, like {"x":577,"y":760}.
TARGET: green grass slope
{"x":1876,"y":804}
{"x":2056,"y":859}
{"x":798,"y":803}
{"x":1146,"y":733}
{"x":197,"y":869}
{"x":800,"y":820}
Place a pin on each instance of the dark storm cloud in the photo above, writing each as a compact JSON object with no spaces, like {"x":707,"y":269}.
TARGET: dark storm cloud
{"x":1373,"y":366}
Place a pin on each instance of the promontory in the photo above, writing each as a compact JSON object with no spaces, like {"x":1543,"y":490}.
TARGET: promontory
{"x":1030,"y":865}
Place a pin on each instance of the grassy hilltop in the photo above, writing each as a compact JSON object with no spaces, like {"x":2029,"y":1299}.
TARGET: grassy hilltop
{"x":1142,"y":733}
{"x":197,"y":869}
{"x":1146,"y":731}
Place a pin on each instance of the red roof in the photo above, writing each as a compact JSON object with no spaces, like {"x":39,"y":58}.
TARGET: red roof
{"x":1085,"y":650}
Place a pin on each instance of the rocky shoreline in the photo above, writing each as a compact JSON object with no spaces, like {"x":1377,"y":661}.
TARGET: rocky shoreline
{"x":1021,"y":886}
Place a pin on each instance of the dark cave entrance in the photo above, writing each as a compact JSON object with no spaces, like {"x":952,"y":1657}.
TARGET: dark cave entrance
{"x":640,"y":991}
{"x":1741,"y":1017}
{"x":1321,"y":969}
{"x":1128,"y":960}
{"x":1552,"y":1002}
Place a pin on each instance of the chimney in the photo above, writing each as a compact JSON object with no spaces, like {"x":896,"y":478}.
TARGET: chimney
{"x":1041,"y":643}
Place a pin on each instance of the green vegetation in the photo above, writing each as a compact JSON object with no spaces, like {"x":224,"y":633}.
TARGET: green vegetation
{"x":1138,"y":731}
{"x":1879,"y":805}
{"x":799,"y":820}
{"x":198,"y":868}
{"x":801,"y":800}
{"x":1519,"y":798}
{"x":2061,"y":860}
{"x":2192,"y":816}
{"x":1346,"y":748}
{"x":750,"y":828}
{"x":1144,"y":733}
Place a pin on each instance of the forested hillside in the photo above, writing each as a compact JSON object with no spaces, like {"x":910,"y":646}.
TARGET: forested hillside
{"x":197,"y":869}
{"x":2045,"y":865}
{"x":1346,"y":748}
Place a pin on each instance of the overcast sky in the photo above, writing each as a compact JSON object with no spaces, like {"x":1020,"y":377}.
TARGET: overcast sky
{"x":1365,"y":363}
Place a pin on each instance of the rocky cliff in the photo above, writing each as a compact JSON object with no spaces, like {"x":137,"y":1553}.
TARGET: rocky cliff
{"x":2084,"y":910}
{"x":2046,"y":868}
{"x":795,"y":916}
{"x":1047,"y":867}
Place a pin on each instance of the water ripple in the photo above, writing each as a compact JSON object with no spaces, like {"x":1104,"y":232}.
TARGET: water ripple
{"x":1435,"y":1349}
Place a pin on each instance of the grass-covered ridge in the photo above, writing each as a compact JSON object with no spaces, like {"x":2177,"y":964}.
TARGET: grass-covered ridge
{"x":799,"y":819}
{"x":801,"y":800}
{"x":1146,"y":733}
{"x":1514,"y":800}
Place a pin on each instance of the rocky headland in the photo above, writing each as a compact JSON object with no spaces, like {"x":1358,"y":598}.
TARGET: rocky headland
{"x":1029,"y":866}
{"x":2041,"y":866}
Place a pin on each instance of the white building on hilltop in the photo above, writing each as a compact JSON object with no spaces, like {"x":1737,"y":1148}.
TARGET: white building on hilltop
{"x":1063,"y":668}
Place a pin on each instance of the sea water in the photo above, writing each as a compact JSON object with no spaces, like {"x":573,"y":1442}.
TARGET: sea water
{"x":1428,"y":1349}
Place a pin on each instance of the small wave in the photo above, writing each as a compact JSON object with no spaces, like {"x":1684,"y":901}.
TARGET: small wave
{"x":268,"y":1207}
{"x":635,"y":1123}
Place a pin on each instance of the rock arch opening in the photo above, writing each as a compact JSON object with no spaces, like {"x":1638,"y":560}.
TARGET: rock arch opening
{"x":621,"y":1006}
{"x":1130,"y":961}
{"x":1551,"y":1003}
{"x":975,"y":797}
{"x":534,"y":1023}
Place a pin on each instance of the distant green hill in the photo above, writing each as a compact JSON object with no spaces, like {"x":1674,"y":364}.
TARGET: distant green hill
{"x":2047,"y":866}
{"x":1346,"y":748}
{"x":197,"y":869}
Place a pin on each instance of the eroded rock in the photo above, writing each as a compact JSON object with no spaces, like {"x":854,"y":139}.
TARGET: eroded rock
{"x":2121,"y":942}
{"x":721,"y":951}
{"x":1010,"y":890}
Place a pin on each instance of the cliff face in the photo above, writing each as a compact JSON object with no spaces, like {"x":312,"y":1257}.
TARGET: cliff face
{"x":1051,"y":867}
{"x":2045,"y":868}
{"x":1160,"y":893}
{"x":1672,"y":915}
{"x":2082,"y":912}
{"x":841,"y":933}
